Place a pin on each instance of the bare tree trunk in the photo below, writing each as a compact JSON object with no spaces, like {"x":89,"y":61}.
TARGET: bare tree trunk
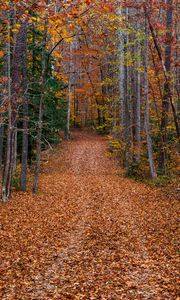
{"x":114,"y":107}
{"x":7,"y":176}
{"x":127,"y":128}
{"x":75,"y":79}
{"x":146,"y":117}
{"x":40,"y":121}
{"x":69,"y":95}
{"x":86,"y":111}
{"x":24,"y":146}
{"x":121,"y":37}
{"x":24,"y":162}
{"x":1,"y":144}
{"x":138,"y":103}
{"x":38,"y":144}
{"x":163,"y":158}
{"x":121,"y":83}
{"x":15,"y":150}
{"x":4,"y":95}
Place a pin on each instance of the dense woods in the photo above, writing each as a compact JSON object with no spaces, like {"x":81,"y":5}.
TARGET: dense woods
{"x":109,"y":65}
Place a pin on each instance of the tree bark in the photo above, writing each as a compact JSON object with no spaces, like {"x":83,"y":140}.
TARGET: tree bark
{"x":1,"y":144}
{"x":24,"y":163}
{"x":146,"y":117}
{"x":138,"y":102}
{"x":40,"y":120}
{"x":67,"y":134}
{"x":127,"y":120}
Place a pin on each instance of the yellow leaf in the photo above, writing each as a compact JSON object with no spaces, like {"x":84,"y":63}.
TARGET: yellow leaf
{"x":15,"y":30}
{"x":57,"y":55}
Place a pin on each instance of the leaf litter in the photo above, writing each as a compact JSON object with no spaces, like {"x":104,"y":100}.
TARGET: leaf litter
{"x":89,"y":233}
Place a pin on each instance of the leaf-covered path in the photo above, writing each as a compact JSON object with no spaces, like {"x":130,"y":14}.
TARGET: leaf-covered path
{"x":89,"y":233}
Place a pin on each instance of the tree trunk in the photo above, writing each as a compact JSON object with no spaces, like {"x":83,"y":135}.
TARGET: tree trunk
{"x":24,"y":163}
{"x":138,"y":103}
{"x":40,"y":121}
{"x":86,"y":111}
{"x":146,"y":117}
{"x":114,"y":107}
{"x":1,"y":144}
{"x":4,"y":95}
{"x":67,"y":133}
{"x":163,"y":158}
{"x":127,"y":128}
{"x":121,"y":79}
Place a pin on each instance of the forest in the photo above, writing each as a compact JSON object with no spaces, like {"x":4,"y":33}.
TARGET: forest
{"x":89,"y":149}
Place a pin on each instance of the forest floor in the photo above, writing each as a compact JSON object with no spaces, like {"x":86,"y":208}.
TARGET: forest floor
{"x":90,"y":233}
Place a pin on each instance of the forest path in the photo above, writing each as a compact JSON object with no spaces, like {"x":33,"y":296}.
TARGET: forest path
{"x":89,"y":233}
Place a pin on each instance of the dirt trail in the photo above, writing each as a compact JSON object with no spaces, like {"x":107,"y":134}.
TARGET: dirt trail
{"x":89,"y":233}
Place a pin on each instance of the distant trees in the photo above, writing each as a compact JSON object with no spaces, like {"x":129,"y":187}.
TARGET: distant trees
{"x":127,"y":48}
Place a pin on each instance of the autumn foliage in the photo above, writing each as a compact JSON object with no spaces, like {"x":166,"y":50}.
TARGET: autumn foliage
{"x":104,"y":76}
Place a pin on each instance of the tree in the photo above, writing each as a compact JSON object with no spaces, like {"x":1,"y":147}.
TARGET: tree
{"x":167,"y":91}
{"x":146,"y":92}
